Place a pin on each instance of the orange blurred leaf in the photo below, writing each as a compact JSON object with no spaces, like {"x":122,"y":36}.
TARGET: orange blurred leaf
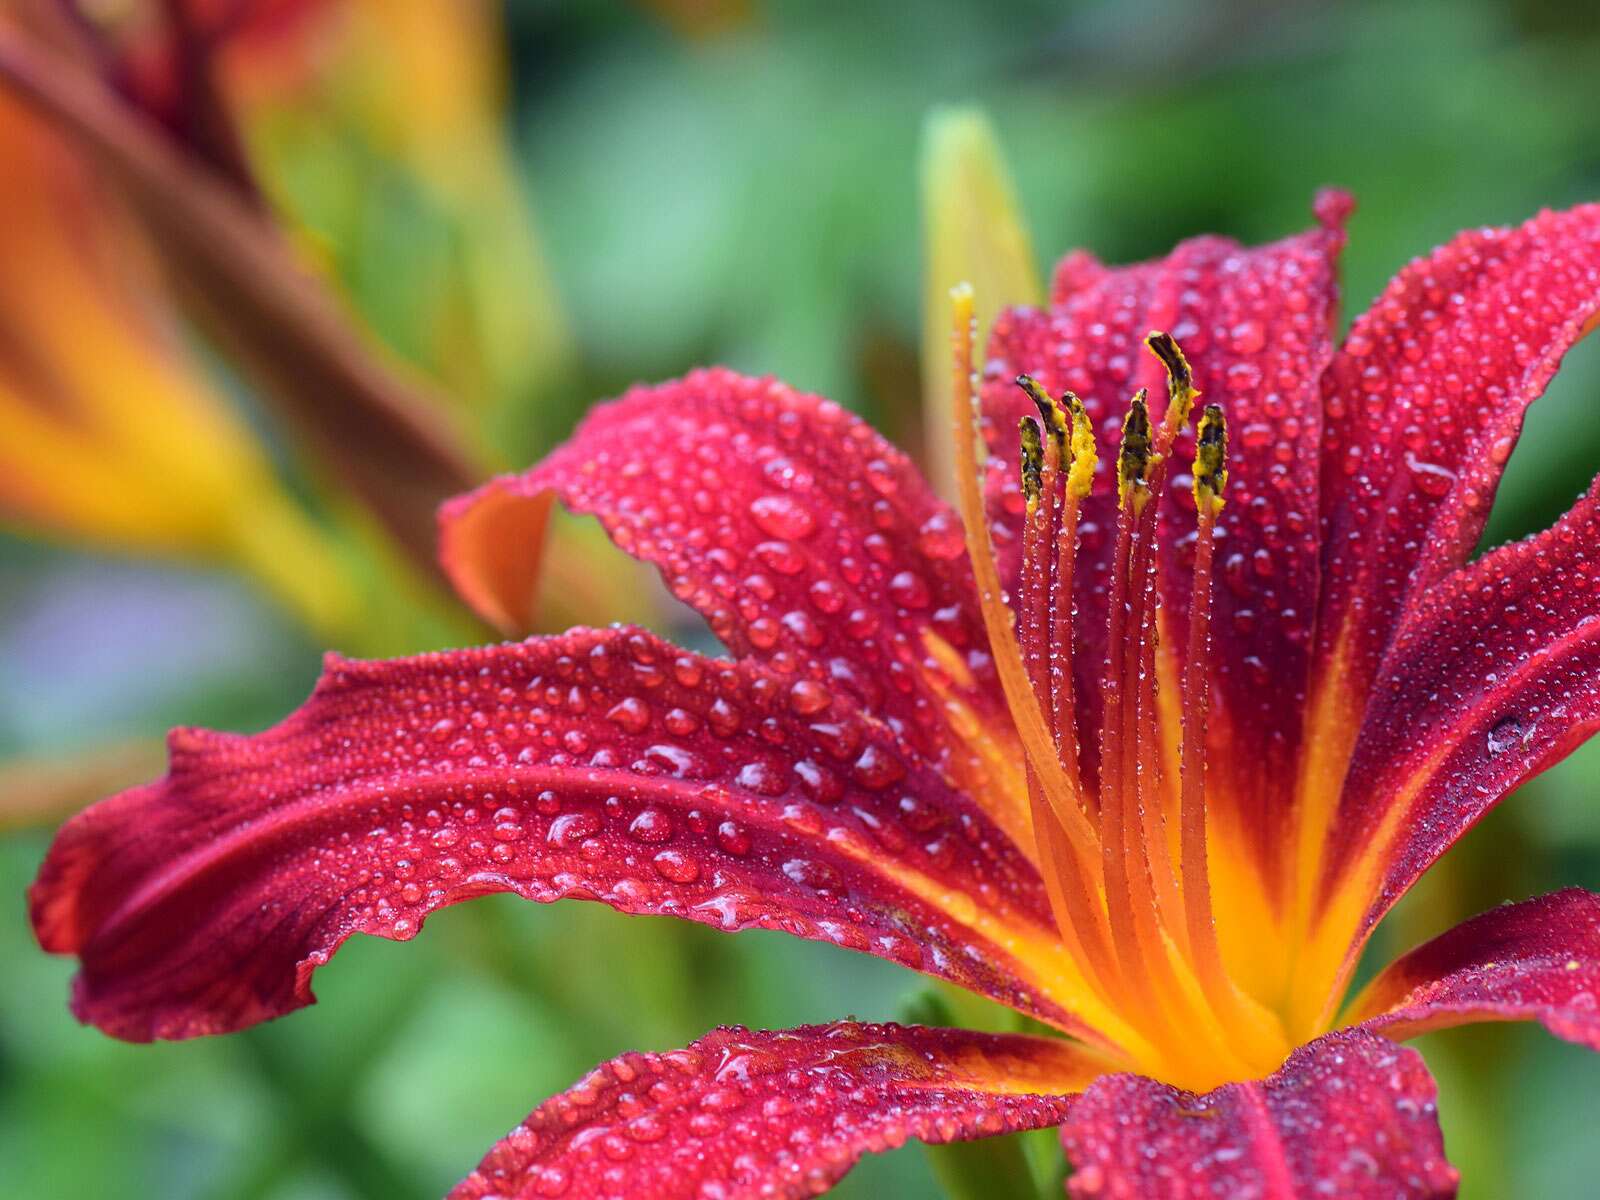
{"x":381,"y":434}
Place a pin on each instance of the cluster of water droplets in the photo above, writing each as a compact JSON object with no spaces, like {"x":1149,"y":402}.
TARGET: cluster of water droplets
{"x":740,"y":1110}
{"x":1425,"y":401}
{"x":802,"y":537}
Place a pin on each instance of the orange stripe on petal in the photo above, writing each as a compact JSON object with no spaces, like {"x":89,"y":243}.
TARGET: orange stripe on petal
{"x":1493,"y":676}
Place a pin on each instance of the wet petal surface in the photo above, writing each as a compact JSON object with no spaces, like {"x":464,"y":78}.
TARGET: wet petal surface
{"x":1493,"y":677}
{"x":806,"y":541}
{"x":604,"y":765}
{"x":745,"y":1114}
{"x":1424,"y":404}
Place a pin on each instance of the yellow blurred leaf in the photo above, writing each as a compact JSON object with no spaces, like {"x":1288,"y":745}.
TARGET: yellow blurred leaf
{"x":418,"y":89}
{"x":391,"y":441}
{"x":973,"y":232}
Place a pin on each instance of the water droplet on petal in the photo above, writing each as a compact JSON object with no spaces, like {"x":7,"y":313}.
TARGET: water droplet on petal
{"x":1247,"y":337}
{"x":631,"y":714}
{"x":651,"y":825}
{"x":783,"y":517}
{"x":1430,"y":478}
{"x":733,"y":839}
{"x":909,"y":590}
{"x":1507,"y":734}
{"x":807,"y":696}
{"x":941,"y":536}
{"x":877,"y":768}
{"x":676,"y":866}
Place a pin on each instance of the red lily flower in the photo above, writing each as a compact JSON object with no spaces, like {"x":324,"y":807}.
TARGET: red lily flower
{"x":1159,"y":816}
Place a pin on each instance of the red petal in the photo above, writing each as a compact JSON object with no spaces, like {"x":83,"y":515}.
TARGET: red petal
{"x":741,"y":1114}
{"x":1494,"y":676}
{"x":1255,"y":324}
{"x":598,"y":765}
{"x":1424,"y":404}
{"x":789,"y":524}
{"x":804,"y":538}
{"x":1350,"y":1115}
{"x":1538,"y":960}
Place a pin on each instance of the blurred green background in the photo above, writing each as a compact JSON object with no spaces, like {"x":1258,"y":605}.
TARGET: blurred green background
{"x":743,"y":190}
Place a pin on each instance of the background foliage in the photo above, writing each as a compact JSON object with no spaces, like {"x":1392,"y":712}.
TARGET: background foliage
{"x":737,"y":183}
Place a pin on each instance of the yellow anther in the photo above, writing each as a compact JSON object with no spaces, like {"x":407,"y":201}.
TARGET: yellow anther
{"x":1135,"y":454}
{"x":1085,"y":456}
{"x":1068,"y":421}
{"x":1211,"y":459}
{"x":1180,"y":380}
{"x":1032,"y":462}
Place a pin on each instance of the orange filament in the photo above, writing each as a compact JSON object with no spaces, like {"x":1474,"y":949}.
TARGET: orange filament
{"x":1129,"y":780}
{"x":1133,"y":907}
{"x":1071,"y":451}
{"x":1143,"y":718}
{"x":1062,"y":685}
{"x":1115,"y":763}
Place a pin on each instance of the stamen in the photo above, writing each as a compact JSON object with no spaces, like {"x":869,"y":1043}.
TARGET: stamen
{"x":1074,"y":435}
{"x":1052,"y":416}
{"x":1252,"y":1025}
{"x":1210,"y":459}
{"x":1032,"y":463}
{"x":1130,"y":786}
{"x":1180,"y":382}
{"x":1133,"y":457}
{"x":1076,"y":910}
{"x":1038,"y":473}
{"x":1149,"y":756}
{"x":1058,"y":683}
{"x":1138,"y":466}
{"x":1147,"y":748}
